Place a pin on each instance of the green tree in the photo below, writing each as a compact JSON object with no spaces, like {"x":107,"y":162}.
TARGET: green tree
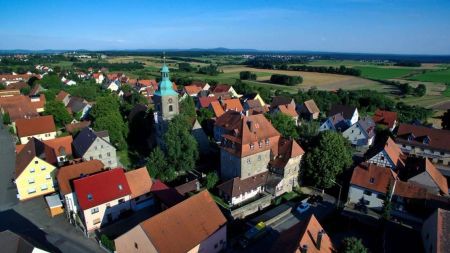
{"x":2,"y":86}
{"x":353,"y":245}
{"x":25,"y":90}
{"x":308,"y":130}
{"x":284,"y":124}
{"x":204,"y":114}
{"x":6,"y":118}
{"x":420,"y":90}
{"x":329,"y":156}
{"x":59,"y":112}
{"x":181,"y":146}
{"x":187,"y":108}
{"x":105,"y":105}
{"x":211,"y":180}
{"x":387,"y":203}
{"x":158,"y":167}
{"x":116,"y":127}
{"x":446,"y":120}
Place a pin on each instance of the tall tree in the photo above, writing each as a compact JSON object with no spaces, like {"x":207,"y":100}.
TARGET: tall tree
{"x":181,"y":146}
{"x":446,"y":120}
{"x":353,"y":245}
{"x":187,"y":108}
{"x":387,"y":203}
{"x":158,"y":167}
{"x":284,"y":124}
{"x":329,"y":156}
{"x":211,"y":180}
{"x":59,"y":112}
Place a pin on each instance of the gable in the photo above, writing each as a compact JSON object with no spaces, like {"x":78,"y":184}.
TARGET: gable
{"x":37,"y":167}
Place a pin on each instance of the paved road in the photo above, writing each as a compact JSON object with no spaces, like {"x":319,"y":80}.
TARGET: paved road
{"x":30,"y":219}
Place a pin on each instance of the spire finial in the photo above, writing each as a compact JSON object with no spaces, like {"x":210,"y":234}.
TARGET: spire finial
{"x":164,"y":57}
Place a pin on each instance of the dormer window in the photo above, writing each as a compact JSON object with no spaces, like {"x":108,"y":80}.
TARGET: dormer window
{"x":411,"y":137}
{"x":89,"y":196}
{"x":252,"y":146}
{"x":267,"y":142}
{"x":372,"y":180}
{"x":426,"y":140}
{"x":260,"y":144}
{"x":120,"y":187}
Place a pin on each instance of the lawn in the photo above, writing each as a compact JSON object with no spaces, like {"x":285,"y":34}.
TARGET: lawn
{"x":446,"y":93}
{"x":438,"y":76}
{"x":337,"y":63}
{"x":384,"y":73}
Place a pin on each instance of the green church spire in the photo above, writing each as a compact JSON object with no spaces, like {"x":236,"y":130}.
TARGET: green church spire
{"x":165,"y":87}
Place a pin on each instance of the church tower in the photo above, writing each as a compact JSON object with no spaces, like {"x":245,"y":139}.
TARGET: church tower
{"x":166,"y":103}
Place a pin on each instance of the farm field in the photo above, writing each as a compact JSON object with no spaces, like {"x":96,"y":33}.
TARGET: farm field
{"x":385,"y":73}
{"x":439,"y":76}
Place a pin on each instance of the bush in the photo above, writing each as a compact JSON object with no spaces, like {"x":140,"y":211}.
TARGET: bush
{"x":247,"y":75}
{"x":108,"y":243}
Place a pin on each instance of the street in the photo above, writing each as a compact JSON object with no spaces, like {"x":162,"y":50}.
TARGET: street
{"x":30,"y":218}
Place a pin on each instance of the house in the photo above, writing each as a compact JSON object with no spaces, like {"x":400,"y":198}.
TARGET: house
{"x":42,"y":128}
{"x":204,"y":86}
{"x":334,"y":123}
{"x":22,"y":107}
{"x":9,"y":92}
{"x":387,"y":155}
{"x":235,"y":191}
{"x":425,"y":142}
{"x":385,"y":118}
{"x":254,"y":106}
{"x":422,"y":172}
{"x":247,"y":143}
{"x":75,"y":127}
{"x":307,"y":236}
{"x":362,"y":133}
{"x":285,"y":167}
{"x":225,"y":88}
{"x":91,"y":145}
{"x":288,"y":110}
{"x":112,"y":85}
{"x":253,"y":96}
{"x":99,"y":77}
{"x":204,"y":102}
{"x":65,"y":177}
{"x":350,"y":113}
{"x":59,"y":150}
{"x":435,"y":231}
{"x":34,"y":174}
{"x":102,"y":197}
{"x":192,"y":90}
{"x":194,"y":225}
{"x":309,"y":110}
{"x":78,"y":106}
{"x":14,"y":243}
{"x":63,"y":97}
{"x":231,"y":104}
{"x":140,"y":186}
{"x":188,"y":187}
{"x":281,"y":100}
{"x":36,"y":90}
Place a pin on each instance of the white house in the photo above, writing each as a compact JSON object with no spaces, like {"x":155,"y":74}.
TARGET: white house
{"x":236,"y":190}
{"x":350,"y":113}
{"x":362,"y":133}
{"x":388,"y":155}
{"x":42,"y":128}
{"x":334,"y":123}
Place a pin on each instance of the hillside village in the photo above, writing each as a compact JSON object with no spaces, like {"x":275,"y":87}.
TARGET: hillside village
{"x":151,"y":165}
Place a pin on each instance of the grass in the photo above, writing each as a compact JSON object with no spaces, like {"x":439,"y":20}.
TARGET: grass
{"x":446,"y":93}
{"x":337,"y":63}
{"x":124,"y":158}
{"x":384,"y":73}
{"x":437,"y":76}
{"x":220,"y":201}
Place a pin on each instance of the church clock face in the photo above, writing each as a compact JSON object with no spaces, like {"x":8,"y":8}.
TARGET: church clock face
{"x":170,"y":100}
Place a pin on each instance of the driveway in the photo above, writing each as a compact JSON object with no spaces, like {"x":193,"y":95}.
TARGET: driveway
{"x":31,"y":219}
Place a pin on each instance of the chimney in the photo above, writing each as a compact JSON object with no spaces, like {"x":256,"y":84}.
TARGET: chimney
{"x":304,"y":248}
{"x":319,"y":238}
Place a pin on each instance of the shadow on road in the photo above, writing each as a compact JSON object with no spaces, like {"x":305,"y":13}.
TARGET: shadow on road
{"x":14,"y":222}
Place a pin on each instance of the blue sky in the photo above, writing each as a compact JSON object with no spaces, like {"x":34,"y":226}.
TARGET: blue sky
{"x":372,"y":26}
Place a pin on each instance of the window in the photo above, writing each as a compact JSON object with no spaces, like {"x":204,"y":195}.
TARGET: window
{"x":44,"y":187}
{"x":95,"y":147}
{"x":260,"y":144}
{"x":252,"y":146}
{"x":267,"y":142}
{"x":120,"y":187}
{"x":372,"y":180}
{"x":249,"y":161}
{"x":108,"y":154}
{"x":97,"y":221}
{"x":259,"y":157}
{"x":100,"y":156}
{"x":382,"y":158}
{"x":31,"y":170}
{"x":215,"y":246}
{"x":368,"y":193}
{"x":94,"y":210}
{"x":36,"y":162}
{"x":136,"y":245}
{"x":101,"y":146}
{"x":121,"y":201}
{"x":170,"y":108}
{"x":89,"y":196}
{"x":31,"y":190}
{"x":109,"y":162}
{"x":43,"y":168}
{"x":48,"y":176}
{"x":91,"y":158}
{"x":31,"y":180}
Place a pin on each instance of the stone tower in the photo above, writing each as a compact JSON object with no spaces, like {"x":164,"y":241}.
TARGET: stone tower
{"x":166,"y":103}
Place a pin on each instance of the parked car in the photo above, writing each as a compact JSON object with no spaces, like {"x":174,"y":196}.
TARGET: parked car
{"x":303,"y":207}
{"x":253,"y":233}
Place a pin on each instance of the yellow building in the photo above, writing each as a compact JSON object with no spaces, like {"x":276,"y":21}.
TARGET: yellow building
{"x":35,"y":173}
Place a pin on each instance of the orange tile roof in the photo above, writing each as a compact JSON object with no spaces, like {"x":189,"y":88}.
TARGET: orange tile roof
{"x":61,"y":95}
{"x":72,"y":128}
{"x":288,"y":109}
{"x":245,"y":131}
{"x":67,"y":173}
{"x":394,"y":152}
{"x":382,"y":176}
{"x":286,"y":149}
{"x":220,"y":88}
{"x":206,"y":101}
{"x":311,"y":106}
{"x":192,"y":90}
{"x":139,"y":181}
{"x":232,"y":104}
{"x":217,"y":108}
{"x":61,"y":144}
{"x":19,"y":107}
{"x":304,"y":233}
{"x":386,"y":118}
{"x":437,"y":176}
{"x":33,"y":126}
{"x":185,"y":225}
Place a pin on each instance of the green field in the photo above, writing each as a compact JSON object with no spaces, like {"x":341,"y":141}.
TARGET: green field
{"x":438,"y":76}
{"x":337,"y":63}
{"x":446,"y":93}
{"x":384,"y":73}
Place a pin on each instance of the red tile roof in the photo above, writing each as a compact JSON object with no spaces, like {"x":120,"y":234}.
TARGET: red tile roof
{"x":237,"y":186}
{"x":34,"y":126}
{"x":217,"y":109}
{"x":104,"y":187}
{"x":436,"y":176}
{"x":206,"y":101}
{"x":232,"y":104}
{"x":68,"y":173}
{"x":192,"y":90}
{"x":61,"y":95}
{"x":185,"y":225}
{"x":288,"y":109}
{"x":286,"y":149}
{"x":416,"y":135}
{"x":19,"y":107}
{"x":221,"y":88}
{"x":61,"y":145}
{"x":386,"y":118}
{"x":72,"y":128}
{"x":381,"y":177}
{"x":168,"y":196}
